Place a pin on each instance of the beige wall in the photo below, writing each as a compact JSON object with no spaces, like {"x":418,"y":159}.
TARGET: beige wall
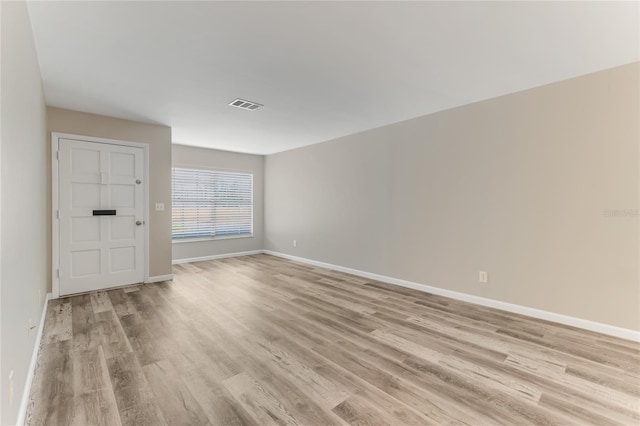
{"x":159,"y":139}
{"x":190,"y":157}
{"x":518,"y":186}
{"x":23,"y":183}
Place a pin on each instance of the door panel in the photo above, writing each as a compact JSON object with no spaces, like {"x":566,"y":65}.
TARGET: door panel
{"x":85,"y":262}
{"x":122,"y":196}
{"x":123,"y":228}
{"x":122,"y":259}
{"x":122,"y":165}
{"x":85,"y":161}
{"x":85,"y":195}
{"x":85,"y":229}
{"x":99,"y":252}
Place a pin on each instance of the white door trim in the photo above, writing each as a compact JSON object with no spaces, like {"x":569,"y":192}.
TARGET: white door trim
{"x":55,"y":223}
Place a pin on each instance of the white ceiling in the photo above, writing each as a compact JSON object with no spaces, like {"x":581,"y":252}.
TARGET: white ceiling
{"x":321,"y":69}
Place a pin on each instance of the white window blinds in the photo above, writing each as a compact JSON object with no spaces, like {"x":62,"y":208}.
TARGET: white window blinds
{"x":209,"y":203}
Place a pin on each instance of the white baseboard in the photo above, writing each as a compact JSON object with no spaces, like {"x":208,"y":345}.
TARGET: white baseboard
{"x":598,"y":327}
{"x":216,"y":256}
{"x":22,"y":413}
{"x":159,"y":278}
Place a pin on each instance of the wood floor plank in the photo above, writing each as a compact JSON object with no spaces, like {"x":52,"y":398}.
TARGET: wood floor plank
{"x":324,"y":392}
{"x":147,"y":349}
{"x":176,"y":402}
{"x":113,"y":340}
{"x":52,"y":401}
{"x":58,"y":323}
{"x":259,"y":340}
{"x":263,"y":407}
{"x":100,"y":302}
{"x":401,"y":413}
{"x":86,"y":333}
{"x":358,"y":412}
{"x":136,"y":403}
{"x":218,"y":404}
{"x":289,"y":390}
{"x":95,"y":402}
{"x":121,"y":304}
{"x":397,"y":410}
{"x":398,"y":388}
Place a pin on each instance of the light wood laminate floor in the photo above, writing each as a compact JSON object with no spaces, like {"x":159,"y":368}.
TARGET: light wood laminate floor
{"x":258,"y":340}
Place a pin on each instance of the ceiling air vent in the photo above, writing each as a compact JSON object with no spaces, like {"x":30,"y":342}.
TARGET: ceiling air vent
{"x":241,"y":103}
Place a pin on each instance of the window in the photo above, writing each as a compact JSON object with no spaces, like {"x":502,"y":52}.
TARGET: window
{"x":211,"y":204}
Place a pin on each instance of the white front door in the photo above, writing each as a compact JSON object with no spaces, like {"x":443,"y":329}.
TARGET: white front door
{"x":101,"y":215}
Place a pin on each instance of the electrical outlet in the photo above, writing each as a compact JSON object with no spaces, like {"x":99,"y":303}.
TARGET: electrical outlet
{"x":295,"y":243}
{"x":159,"y":207}
{"x":483,"y":277}
{"x":10,"y":389}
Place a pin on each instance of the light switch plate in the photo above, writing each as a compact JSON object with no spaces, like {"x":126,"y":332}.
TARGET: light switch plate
{"x":159,"y":207}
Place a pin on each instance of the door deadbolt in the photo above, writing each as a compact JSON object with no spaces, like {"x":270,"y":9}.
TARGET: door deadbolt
{"x":138,"y":181}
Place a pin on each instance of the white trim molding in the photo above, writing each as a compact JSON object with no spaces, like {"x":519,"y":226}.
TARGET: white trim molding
{"x":611,"y":330}
{"x":216,"y":256}
{"x":22,"y":412}
{"x":158,"y":278}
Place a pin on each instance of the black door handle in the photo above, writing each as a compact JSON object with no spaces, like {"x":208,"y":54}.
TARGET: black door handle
{"x":104,"y":212}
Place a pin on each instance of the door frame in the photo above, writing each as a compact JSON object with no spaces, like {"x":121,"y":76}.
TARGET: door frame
{"x":55,"y":202}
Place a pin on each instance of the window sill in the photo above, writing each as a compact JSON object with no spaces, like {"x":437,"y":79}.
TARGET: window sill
{"x":201,"y":239}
